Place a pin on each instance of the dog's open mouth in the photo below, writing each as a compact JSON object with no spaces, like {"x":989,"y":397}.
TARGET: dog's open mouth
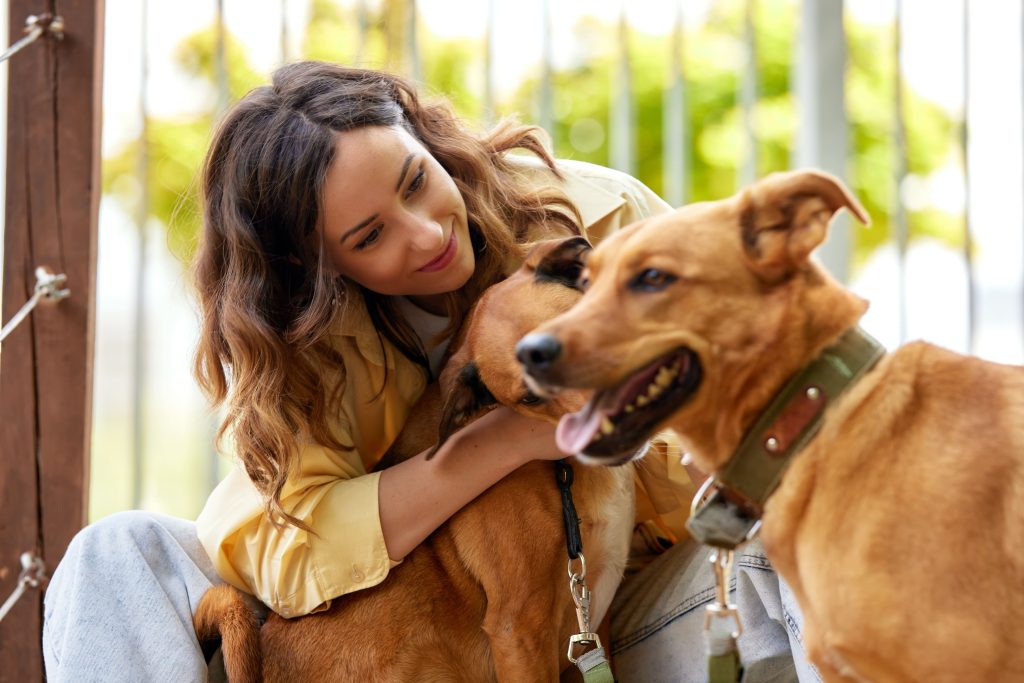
{"x":620,"y":419}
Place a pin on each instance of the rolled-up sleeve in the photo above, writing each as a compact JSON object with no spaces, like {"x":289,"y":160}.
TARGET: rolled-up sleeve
{"x":294,"y":571}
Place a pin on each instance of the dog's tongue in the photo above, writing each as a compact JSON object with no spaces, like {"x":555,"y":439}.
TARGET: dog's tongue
{"x":575,"y":430}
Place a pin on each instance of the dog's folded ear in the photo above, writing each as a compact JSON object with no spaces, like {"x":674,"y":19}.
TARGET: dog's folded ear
{"x":562,"y":261}
{"x":468,"y":397}
{"x":785,"y":216}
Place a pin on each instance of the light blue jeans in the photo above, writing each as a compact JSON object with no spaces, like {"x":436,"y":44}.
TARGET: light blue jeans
{"x":119,"y":608}
{"x":657,"y":625}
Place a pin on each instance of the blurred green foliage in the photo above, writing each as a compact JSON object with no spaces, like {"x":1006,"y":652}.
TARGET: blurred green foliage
{"x":713,"y":63}
{"x":712,"y":58}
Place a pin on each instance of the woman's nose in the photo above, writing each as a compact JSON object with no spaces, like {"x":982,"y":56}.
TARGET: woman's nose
{"x":427,"y":234}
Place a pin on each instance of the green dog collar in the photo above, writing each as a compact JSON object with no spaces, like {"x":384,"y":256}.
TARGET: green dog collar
{"x":731,"y":514}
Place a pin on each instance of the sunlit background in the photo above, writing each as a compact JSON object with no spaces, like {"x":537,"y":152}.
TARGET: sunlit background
{"x":693,"y":97}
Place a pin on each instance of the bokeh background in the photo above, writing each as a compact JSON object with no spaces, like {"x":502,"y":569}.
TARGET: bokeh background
{"x":694,"y":97}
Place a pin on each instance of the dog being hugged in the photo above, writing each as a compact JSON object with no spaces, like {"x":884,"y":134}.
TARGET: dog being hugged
{"x":486,"y":596}
{"x":889,"y":486}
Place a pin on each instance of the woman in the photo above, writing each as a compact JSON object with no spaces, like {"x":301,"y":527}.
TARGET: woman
{"x":348,"y":226}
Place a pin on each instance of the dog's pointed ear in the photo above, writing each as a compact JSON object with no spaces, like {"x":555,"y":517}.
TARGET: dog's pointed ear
{"x":467,"y":397}
{"x":564,"y":262}
{"x":785,"y":216}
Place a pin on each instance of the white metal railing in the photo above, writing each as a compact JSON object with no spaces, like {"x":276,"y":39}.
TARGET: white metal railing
{"x":821,"y":140}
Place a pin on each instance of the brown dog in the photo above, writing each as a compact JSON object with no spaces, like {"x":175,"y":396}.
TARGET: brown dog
{"x":900,"y":525}
{"x":486,"y":597}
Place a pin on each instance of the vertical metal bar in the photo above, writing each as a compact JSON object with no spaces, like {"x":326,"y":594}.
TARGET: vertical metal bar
{"x":674,"y":155}
{"x":139,"y":384}
{"x":363,"y":20}
{"x":547,"y":115}
{"x":411,"y":43}
{"x":284,"y":32}
{"x":622,"y":128}
{"x":900,"y":153}
{"x":489,"y":113}
{"x":972,"y":321}
{"x":821,"y":135}
{"x":220,"y":59}
{"x":748,"y":95}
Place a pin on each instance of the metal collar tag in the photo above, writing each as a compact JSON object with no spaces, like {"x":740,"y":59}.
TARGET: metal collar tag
{"x":727,"y":511}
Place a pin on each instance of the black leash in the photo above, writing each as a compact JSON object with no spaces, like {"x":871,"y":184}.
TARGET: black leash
{"x":573,"y":538}
{"x":592,"y":663}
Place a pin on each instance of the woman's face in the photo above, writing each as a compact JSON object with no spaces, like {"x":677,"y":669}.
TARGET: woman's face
{"x":393,"y":219}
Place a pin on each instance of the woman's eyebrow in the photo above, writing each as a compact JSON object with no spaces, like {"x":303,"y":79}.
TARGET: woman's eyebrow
{"x":405,"y":169}
{"x":352,"y":231}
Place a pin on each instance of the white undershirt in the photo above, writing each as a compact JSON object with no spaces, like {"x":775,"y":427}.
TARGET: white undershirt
{"x":427,"y":326}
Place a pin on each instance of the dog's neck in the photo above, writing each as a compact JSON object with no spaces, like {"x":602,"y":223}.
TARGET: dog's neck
{"x":811,"y":313}
{"x":816,"y":358}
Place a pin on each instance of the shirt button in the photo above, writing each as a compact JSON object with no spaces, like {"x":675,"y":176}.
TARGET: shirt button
{"x":357,"y":575}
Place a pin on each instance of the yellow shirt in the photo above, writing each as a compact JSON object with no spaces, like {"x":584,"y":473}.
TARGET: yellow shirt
{"x":295,"y":572}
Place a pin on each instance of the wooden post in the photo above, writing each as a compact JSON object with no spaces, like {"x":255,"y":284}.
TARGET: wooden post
{"x":53,"y":127}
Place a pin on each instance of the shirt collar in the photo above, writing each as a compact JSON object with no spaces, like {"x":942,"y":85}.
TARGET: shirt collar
{"x":593,"y":201}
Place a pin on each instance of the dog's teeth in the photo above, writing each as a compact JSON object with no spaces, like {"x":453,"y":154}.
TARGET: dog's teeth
{"x":630,"y":409}
{"x":606,"y":426}
{"x":664,"y":377}
{"x":641,"y":401}
{"x":653,"y":390}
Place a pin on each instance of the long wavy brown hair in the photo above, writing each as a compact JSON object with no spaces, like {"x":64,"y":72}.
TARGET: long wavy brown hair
{"x":266,"y":295}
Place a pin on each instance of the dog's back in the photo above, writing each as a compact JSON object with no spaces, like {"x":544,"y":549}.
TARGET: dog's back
{"x":499,"y":563}
{"x":937,"y":439}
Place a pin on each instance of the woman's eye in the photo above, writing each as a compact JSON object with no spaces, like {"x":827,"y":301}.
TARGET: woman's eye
{"x":417,"y":182}
{"x":371,"y":237}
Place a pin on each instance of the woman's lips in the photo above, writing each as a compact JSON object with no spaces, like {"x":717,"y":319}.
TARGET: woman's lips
{"x":444,"y":259}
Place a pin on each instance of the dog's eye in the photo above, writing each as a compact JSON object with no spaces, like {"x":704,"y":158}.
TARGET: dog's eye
{"x":652,"y":280}
{"x":530,"y":399}
{"x":582,"y":283}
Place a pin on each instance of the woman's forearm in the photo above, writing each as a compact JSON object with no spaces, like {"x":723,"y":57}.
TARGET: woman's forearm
{"x":418,"y":495}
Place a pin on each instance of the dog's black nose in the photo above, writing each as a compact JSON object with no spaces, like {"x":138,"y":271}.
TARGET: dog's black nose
{"x":538,"y":351}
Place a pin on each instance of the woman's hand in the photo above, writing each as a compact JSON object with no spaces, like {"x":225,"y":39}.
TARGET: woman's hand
{"x":523,"y":438}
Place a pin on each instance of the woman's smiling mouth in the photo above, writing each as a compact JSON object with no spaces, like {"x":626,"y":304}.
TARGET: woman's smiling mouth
{"x":444,"y":258}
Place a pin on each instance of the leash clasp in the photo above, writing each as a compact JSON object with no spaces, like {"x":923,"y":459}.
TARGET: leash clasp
{"x":582,"y":639}
{"x":581,"y":597}
{"x":721,"y":560}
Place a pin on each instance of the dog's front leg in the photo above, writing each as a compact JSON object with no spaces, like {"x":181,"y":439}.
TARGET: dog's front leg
{"x":521,"y":644}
